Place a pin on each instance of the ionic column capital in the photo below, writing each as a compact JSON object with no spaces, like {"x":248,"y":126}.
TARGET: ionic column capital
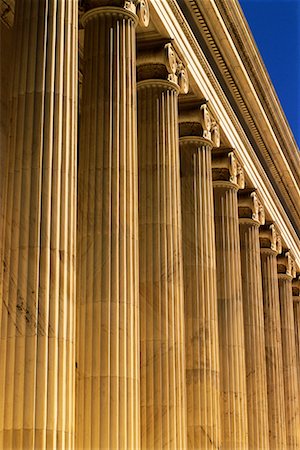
{"x":227,"y":171}
{"x":162,"y":64}
{"x":286,"y":266}
{"x":199,"y":122}
{"x":251,"y":210}
{"x":270,"y":239}
{"x":296,"y":288}
{"x":137,"y":10}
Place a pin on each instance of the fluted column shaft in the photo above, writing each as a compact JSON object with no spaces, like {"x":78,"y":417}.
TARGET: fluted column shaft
{"x":289,"y":362}
{"x":296,"y":300}
{"x":276,"y":411}
{"x":108,"y":314}
{"x":163,"y":402}
{"x":37,"y":328}
{"x":230,"y":318}
{"x":200,"y":293}
{"x":256,"y":376}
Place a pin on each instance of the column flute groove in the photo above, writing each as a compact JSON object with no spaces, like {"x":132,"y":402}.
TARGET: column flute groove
{"x":161,"y":283}
{"x":199,"y":269}
{"x":270,"y":244}
{"x":228,"y":178}
{"x":251,"y":215}
{"x":107,"y":390}
{"x":37,"y":326}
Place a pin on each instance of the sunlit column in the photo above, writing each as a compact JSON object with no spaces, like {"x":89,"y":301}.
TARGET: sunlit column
{"x":198,"y":135}
{"x":108,"y":355}
{"x":228,"y":178}
{"x":270,"y":244}
{"x":296,"y":303}
{"x":251,"y":214}
{"x":37,"y":364}
{"x":163,"y":402}
{"x":286,"y":273}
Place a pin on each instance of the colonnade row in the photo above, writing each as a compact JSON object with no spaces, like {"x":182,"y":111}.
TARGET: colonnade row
{"x":175,"y":324}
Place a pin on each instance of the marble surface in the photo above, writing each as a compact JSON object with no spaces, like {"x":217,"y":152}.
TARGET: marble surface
{"x":289,"y":356}
{"x":108,"y":352}
{"x":163,"y":389}
{"x":273,"y":339}
{"x":201,"y":321}
{"x":234,"y":423}
{"x":257,"y":404}
{"x":37,"y":364}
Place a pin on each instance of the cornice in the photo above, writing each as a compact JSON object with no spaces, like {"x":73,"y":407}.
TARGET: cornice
{"x":247,"y":49}
{"x":273,"y":194}
{"x":254,"y":100}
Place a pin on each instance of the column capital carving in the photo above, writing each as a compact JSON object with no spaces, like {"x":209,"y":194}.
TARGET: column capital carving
{"x":215,"y":134}
{"x":226,"y":169}
{"x":296,"y":286}
{"x":286,"y":265}
{"x":198,"y":121}
{"x":270,"y":239}
{"x":162,"y":63}
{"x":250,"y":207}
{"x":138,"y":10}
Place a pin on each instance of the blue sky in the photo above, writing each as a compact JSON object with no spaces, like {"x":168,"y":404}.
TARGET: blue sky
{"x":275,"y":25}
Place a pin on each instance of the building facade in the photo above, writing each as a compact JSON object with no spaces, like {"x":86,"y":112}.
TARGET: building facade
{"x":149,"y":231}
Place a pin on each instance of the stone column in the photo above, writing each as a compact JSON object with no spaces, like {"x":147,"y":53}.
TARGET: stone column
{"x":251,"y":214}
{"x":296,"y":303}
{"x":37,"y":365}
{"x":199,"y":268}
{"x":286,"y":273}
{"x":107,"y":411}
{"x":228,"y":177}
{"x":163,"y":400}
{"x":270,"y":243}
